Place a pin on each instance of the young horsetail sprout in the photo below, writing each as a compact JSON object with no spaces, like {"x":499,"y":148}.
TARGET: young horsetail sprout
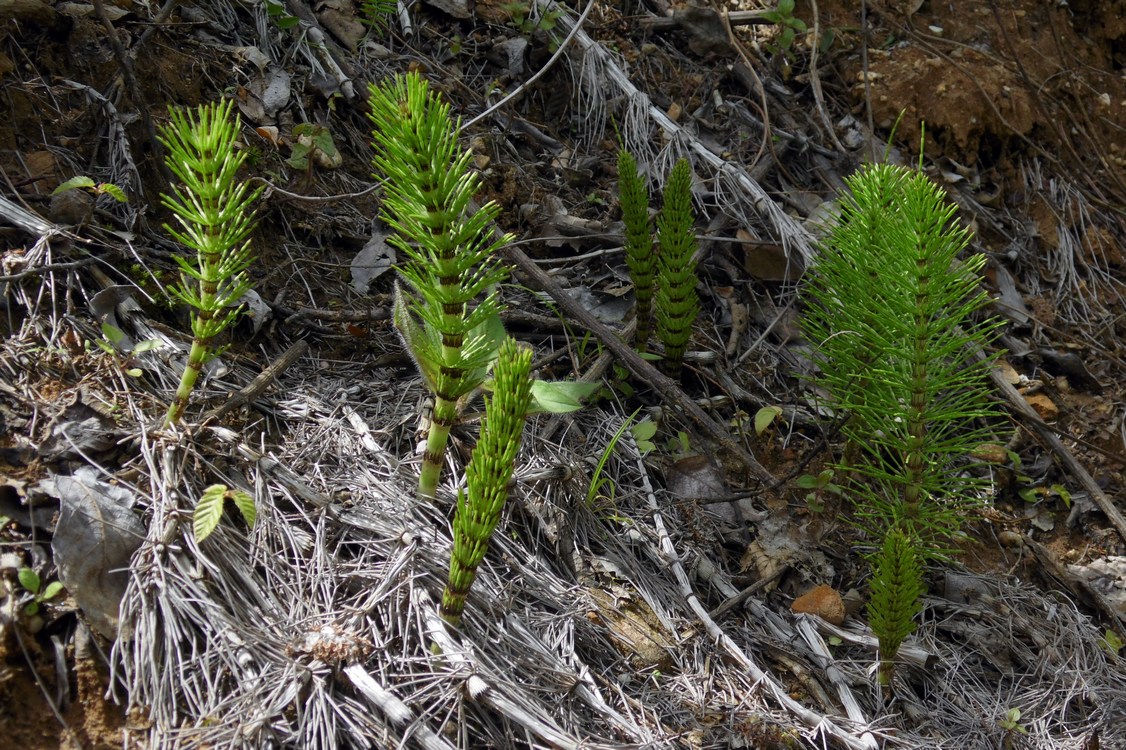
{"x":449,"y":320}
{"x":896,"y":597}
{"x":676,"y":301}
{"x":897,"y":349}
{"x":641,"y":256}
{"x":490,"y":468}
{"x":213,"y":209}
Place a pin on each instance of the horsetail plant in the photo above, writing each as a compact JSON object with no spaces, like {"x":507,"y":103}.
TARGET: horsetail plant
{"x":449,"y":320}
{"x":641,"y":255}
{"x":896,"y":597}
{"x":213,"y":209}
{"x":479,"y":506}
{"x":677,"y":304}
{"x":891,"y":315}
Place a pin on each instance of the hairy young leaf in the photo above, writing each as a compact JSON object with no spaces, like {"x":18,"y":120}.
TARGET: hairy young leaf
{"x":208,"y":511}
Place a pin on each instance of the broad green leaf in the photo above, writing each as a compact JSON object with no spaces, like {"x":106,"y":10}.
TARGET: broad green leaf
{"x":31,"y":609}
{"x":113,"y":334}
{"x":134,"y":372}
{"x":245,"y":504}
{"x":644,"y":430}
{"x":147,"y":346}
{"x":786,"y":7}
{"x":208,"y":511}
{"x":113,"y":191}
{"x":29,"y":579}
{"x":808,"y":482}
{"x":765,"y":416}
{"x":82,"y":181}
{"x":559,"y":396}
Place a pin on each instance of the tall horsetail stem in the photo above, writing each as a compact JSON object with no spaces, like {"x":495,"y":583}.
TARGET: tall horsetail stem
{"x":213,"y":210}
{"x":677,"y":302}
{"x":641,"y":256}
{"x":480,"y":505}
{"x":449,"y":318}
{"x":892,"y":315}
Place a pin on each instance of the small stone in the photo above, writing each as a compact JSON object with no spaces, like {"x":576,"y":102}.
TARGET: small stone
{"x":1010,"y":539}
{"x":71,"y":207}
{"x":823,"y":601}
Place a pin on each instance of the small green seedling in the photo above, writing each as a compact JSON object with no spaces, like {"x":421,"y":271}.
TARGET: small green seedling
{"x":643,"y":434}
{"x":214,"y":211}
{"x":280,"y":16}
{"x":790,"y":26}
{"x":818,"y":485}
{"x":113,"y":343}
{"x":1010,"y":722}
{"x":1112,"y":642}
{"x":765,"y":417}
{"x":82,"y":182}
{"x":314,"y":145}
{"x":30,"y":580}
{"x":209,"y":509}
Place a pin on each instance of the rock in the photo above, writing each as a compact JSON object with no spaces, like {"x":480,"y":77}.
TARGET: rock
{"x":823,"y":601}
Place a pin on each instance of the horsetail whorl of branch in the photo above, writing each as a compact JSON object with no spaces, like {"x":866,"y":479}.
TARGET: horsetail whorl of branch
{"x":677,"y":304}
{"x":449,"y":318}
{"x":215,"y":216}
{"x":641,"y":256}
{"x":892,"y":315}
{"x":490,"y":468}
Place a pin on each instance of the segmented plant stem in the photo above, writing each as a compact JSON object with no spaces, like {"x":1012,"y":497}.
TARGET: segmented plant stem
{"x":214,"y":212}
{"x":897,"y":588}
{"x":641,"y":256}
{"x":450,"y":262}
{"x":677,"y":302}
{"x":479,"y":506}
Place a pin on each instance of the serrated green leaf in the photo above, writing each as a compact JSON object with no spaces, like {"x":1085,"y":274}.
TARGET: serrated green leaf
{"x":82,"y":181}
{"x":112,"y":191}
{"x":1029,"y":495}
{"x":208,"y":511}
{"x":765,"y":416}
{"x":29,"y":579}
{"x":54,"y":588}
{"x":560,"y":396}
{"x":245,"y":504}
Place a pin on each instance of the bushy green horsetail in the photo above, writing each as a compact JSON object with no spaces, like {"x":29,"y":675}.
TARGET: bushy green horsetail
{"x":448,"y":318}
{"x":892,"y":316}
{"x":214,"y":212}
